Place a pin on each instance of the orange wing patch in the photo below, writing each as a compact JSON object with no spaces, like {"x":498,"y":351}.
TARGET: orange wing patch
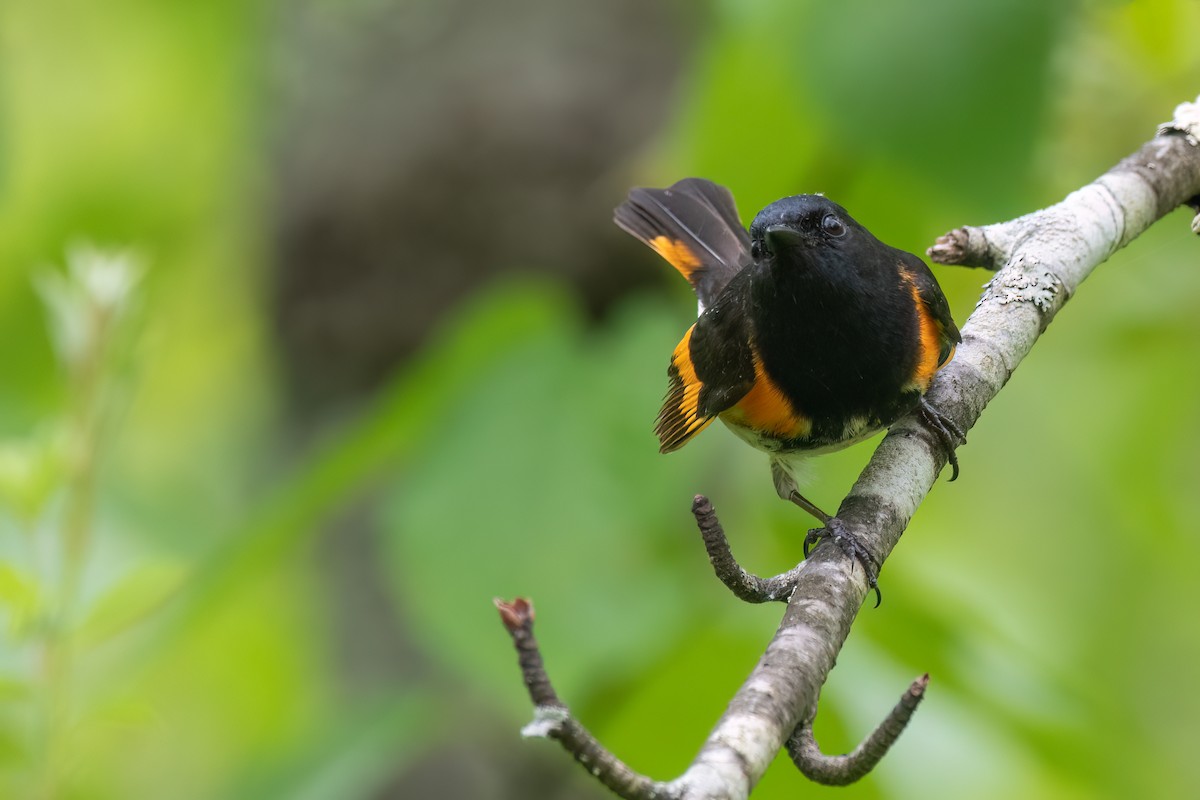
{"x":765,"y":408}
{"x":680,"y":418}
{"x":677,"y":254}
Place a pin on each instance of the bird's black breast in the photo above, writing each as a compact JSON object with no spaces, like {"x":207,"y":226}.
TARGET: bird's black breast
{"x":843,"y":351}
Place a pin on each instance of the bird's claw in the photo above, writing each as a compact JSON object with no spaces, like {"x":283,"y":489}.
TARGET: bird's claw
{"x":852,"y":546}
{"x":947,"y":432}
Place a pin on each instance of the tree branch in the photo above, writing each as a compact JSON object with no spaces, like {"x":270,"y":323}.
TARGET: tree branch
{"x":1041,"y":259}
{"x":746,"y":586}
{"x":844,"y":770}
{"x":553,"y":720}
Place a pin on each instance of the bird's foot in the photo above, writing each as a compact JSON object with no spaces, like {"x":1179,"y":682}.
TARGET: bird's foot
{"x":849,"y":544}
{"x":947,"y":432}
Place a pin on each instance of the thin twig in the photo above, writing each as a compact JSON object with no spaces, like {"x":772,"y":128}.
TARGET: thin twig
{"x":846,"y":769}
{"x":745,"y":585}
{"x":964,"y":247}
{"x":552,"y":719}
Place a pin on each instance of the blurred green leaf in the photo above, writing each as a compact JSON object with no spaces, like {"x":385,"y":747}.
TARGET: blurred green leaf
{"x":412,"y":410}
{"x":13,"y":689}
{"x":22,"y":596}
{"x":915,"y":83}
{"x":134,"y":596}
{"x":353,"y":759}
{"x":553,"y":489}
{"x":31,"y":470}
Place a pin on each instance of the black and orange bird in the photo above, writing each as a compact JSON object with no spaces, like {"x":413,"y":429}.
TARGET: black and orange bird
{"x":812,"y":334}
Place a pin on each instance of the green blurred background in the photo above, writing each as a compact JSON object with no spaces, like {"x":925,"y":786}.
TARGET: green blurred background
{"x":358,"y":349}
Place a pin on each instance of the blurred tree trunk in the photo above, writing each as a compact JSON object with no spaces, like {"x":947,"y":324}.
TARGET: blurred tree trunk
{"x":420,"y":149}
{"x":423,"y":148}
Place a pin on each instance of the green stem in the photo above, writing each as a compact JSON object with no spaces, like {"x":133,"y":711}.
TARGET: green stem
{"x":57,"y":667}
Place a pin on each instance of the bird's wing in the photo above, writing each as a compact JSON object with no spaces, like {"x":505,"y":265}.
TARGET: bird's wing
{"x":711,"y":369}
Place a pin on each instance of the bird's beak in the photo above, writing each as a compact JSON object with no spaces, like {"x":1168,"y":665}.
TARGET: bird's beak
{"x":777,"y":235}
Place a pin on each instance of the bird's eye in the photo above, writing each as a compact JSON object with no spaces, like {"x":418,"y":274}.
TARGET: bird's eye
{"x":755,"y":250}
{"x":833,"y":226}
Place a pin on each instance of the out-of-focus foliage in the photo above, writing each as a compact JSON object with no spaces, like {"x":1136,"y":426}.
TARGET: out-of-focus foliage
{"x":163,"y":634}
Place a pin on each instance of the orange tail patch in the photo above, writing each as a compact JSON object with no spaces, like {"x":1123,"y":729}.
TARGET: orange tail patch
{"x":677,"y":254}
{"x":694,"y":225}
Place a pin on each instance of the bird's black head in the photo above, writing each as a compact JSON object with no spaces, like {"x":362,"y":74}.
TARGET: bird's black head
{"x":804,"y":222}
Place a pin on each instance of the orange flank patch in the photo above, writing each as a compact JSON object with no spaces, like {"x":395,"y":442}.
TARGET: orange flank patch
{"x":931,"y":343}
{"x":680,"y":418}
{"x":766,"y":409}
{"x":677,"y":254}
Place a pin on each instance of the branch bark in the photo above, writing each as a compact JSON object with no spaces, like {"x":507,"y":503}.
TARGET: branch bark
{"x":1041,"y":259}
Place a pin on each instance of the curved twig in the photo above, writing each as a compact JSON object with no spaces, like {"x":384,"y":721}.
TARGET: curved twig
{"x":552,"y":719}
{"x":846,"y":769}
{"x":745,"y":585}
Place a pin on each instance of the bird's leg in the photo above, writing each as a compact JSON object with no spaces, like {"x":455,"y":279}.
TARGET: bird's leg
{"x":947,"y":432}
{"x":833,"y":528}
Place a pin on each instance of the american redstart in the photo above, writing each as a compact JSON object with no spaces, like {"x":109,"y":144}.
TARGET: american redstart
{"x":812,"y":334}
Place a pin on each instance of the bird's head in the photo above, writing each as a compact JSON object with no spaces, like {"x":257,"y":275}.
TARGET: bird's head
{"x":805,"y":222}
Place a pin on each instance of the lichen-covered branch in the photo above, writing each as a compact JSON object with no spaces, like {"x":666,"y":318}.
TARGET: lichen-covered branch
{"x":1041,"y":259}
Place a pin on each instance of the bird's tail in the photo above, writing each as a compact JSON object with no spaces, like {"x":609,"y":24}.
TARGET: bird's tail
{"x":695,"y":226}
